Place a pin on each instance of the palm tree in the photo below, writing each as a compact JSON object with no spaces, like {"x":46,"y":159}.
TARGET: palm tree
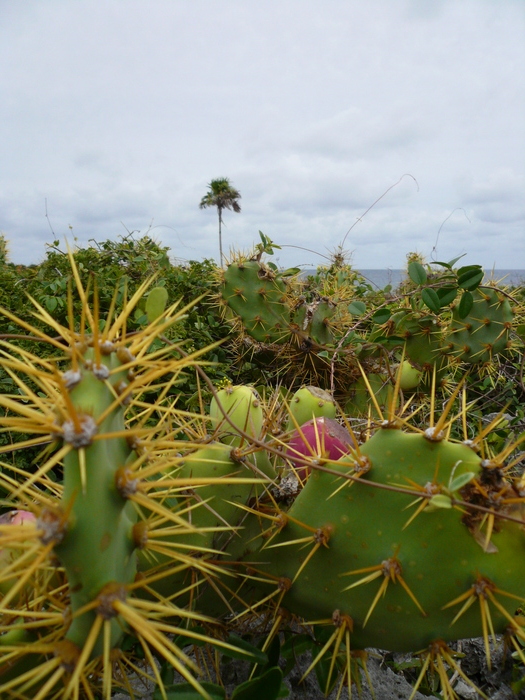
{"x":223,"y":196}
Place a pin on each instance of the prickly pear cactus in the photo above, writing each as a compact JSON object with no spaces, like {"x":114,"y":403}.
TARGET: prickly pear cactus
{"x":257,"y":296}
{"x":410,"y":541}
{"x":480,"y":329}
{"x":120,"y":521}
{"x":314,"y":320}
{"x":424,"y":345}
{"x":95,"y":481}
{"x":147,"y":524}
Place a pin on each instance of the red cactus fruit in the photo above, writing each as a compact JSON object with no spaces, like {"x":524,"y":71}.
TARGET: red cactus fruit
{"x":10,"y":553}
{"x":320,"y":438}
{"x":17,"y":517}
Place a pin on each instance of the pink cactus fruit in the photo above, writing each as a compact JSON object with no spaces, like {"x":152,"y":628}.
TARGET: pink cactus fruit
{"x":10,"y":552}
{"x":17,"y":517}
{"x":319,"y":438}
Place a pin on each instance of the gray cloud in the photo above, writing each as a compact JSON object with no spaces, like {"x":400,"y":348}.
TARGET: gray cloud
{"x":118,"y":115}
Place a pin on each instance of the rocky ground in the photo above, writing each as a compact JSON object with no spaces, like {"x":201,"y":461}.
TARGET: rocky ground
{"x":390,"y":678}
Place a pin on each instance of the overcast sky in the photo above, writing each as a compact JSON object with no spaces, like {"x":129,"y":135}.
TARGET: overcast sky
{"x":116,"y":114}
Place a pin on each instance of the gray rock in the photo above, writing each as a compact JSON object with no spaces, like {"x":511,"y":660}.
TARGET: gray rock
{"x":386,"y":683}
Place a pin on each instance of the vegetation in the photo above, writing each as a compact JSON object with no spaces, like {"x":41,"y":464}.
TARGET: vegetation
{"x":201,"y":463}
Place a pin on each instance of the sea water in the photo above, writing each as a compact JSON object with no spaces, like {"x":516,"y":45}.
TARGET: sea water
{"x":381,"y":278}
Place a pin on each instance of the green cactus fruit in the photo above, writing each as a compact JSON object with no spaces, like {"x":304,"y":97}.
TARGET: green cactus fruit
{"x":244,"y":408}
{"x":310,"y":402}
{"x":410,"y":376}
{"x":484,"y":331}
{"x":242,"y":405}
{"x":19,"y":520}
{"x":404,"y":566}
{"x":424,"y":346}
{"x":257,"y":295}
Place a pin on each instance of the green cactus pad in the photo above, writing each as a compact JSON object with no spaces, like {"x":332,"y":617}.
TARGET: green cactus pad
{"x":314,"y":320}
{"x":359,"y":404}
{"x":363,"y":535}
{"x":257,"y":295}
{"x":98,"y":514}
{"x":485,"y":331}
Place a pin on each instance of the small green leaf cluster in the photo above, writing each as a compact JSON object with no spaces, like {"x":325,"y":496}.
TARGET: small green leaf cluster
{"x":265,"y":677}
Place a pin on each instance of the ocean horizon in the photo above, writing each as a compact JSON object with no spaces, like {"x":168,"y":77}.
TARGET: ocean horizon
{"x":380,"y":278}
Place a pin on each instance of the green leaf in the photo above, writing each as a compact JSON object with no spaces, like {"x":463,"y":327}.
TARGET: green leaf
{"x":467,"y":268}
{"x":470,"y":277}
{"x":417,"y":272}
{"x":431,"y":299}
{"x":140,"y":317}
{"x":440,"y":501}
{"x":465,"y":304}
{"x":267,"y":244}
{"x":185,"y":691}
{"x":461,"y":481}
{"x":454,"y":260}
{"x":326,"y":675}
{"x":296,"y":645}
{"x":447,"y":295}
{"x":273,"y":652}
{"x":264,"y":687}
{"x":51,"y":304}
{"x":381,"y":316}
{"x":243,"y":650}
{"x":357,"y":308}
{"x":156,"y":303}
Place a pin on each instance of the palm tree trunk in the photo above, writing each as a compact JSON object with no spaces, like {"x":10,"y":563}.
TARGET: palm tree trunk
{"x":220,"y":237}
